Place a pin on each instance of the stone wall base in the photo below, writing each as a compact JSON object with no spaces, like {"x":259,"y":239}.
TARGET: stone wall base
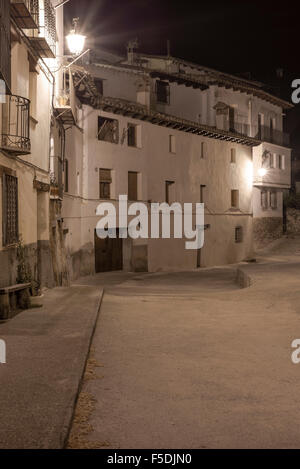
{"x":266,"y":230}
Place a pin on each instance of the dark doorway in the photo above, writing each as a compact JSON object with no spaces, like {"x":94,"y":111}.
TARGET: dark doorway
{"x":108,"y":254}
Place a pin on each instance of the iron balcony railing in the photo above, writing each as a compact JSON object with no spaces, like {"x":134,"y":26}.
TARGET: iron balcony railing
{"x":25,"y":13}
{"x":263,"y":133}
{"x":43,"y":39}
{"x":15,"y":136}
{"x":267,"y":134}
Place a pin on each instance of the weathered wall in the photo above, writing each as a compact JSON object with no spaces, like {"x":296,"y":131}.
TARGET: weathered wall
{"x":266,"y":230}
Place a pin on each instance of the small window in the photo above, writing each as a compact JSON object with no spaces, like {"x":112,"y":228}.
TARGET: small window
{"x":163,"y":92}
{"x":10,"y":210}
{"x":172,"y":144}
{"x":134,"y":135}
{"x":105,"y":183}
{"x":233,"y":156}
{"x":203,"y":150}
{"x":202,"y":193}
{"x":264,"y":200}
{"x":272,"y":160}
{"x":132,"y":186}
{"x":281,"y":161}
{"x":99,"y":85}
{"x":273,"y":200}
{"x":239,"y":234}
{"x":170,"y":186}
{"x":235,"y":198}
{"x":108,"y":130}
{"x":66,"y":175}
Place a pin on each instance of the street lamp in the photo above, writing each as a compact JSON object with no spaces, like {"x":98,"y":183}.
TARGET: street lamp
{"x":75,"y":40}
{"x":262,"y":172}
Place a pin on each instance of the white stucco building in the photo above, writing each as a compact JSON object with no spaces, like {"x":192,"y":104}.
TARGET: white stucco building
{"x":31,"y":131}
{"x":161,"y":129}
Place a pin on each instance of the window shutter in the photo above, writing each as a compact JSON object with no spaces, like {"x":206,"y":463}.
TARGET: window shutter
{"x":5,"y":46}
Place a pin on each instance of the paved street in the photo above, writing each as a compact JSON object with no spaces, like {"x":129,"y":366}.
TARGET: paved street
{"x":190,"y":360}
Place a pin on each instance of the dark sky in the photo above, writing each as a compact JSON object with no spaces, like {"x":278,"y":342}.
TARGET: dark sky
{"x":236,"y":36}
{"x":233,"y":36}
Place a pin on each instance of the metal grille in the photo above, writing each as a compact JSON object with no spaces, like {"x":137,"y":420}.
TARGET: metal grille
{"x":5,"y":68}
{"x":10,"y":210}
{"x":239,"y":234}
{"x":15,"y":125}
{"x":50,"y":24}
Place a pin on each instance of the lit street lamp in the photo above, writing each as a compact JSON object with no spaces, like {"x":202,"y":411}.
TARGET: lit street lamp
{"x":75,"y":40}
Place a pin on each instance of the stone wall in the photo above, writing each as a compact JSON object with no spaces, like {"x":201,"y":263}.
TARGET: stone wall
{"x":266,"y":230}
{"x":293,"y":221}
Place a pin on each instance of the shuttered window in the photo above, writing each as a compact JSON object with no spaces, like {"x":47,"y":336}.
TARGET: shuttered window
{"x":5,"y":54}
{"x":10,"y":210}
{"x":163,"y":92}
{"x":132,"y":186}
{"x":105,"y":183}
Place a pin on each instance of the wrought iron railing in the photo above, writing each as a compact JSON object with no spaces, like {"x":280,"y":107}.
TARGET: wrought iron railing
{"x":267,"y":134}
{"x":15,"y":136}
{"x":44,"y":38}
{"x":263,"y":133}
{"x":48,"y":29}
{"x":25,"y":13}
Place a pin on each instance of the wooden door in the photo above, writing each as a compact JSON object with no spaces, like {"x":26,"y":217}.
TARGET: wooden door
{"x":108,"y":254}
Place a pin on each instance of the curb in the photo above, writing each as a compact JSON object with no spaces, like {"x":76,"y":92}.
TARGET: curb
{"x":71,"y":412}
{"x":243,"y":279}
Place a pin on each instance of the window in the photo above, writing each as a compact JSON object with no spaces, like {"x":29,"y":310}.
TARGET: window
{"x":231,"y":116}
{"x":273,"y":200}
{"x":203,"y":150}
{"x":105,"y":181}
{"x":10,"y":223}
{"x":172,"y":144}
{"x":132,"y":135}
{"x":272,"y":160}
{"x":233,"y":156}
{"x":202,"y":190}
{"x":163,"y":92}
{"x":99,"y":85}
{"x":66,"y":175}
{"x":5,"y":45}
{"x":264,"y":200}
{"x":281,"y":161}
{"x":108,"y":130}
{"x":261,"y":119}
{"x":170,"y":185}
{"x":132,"y":186}
{"x":239,"y":234}
{"x":235,"y":199}
{"x":272,"y":127}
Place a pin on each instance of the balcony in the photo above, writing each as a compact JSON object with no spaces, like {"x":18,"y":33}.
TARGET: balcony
{"x":43,"y":39}
{"x":25,"y":13}
{"x":65,"y":104}
{"x":266,"y":134}
{"x":15,"y":126}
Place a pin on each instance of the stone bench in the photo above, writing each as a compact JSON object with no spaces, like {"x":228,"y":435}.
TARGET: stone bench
{"x":14,"y":298}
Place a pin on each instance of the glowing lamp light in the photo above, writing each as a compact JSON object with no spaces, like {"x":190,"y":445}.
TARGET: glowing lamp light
{"x":75,"y":40}
{"x":262,"y":172}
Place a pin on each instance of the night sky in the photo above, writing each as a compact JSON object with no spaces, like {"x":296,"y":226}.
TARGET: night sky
{"x":254,"y":38}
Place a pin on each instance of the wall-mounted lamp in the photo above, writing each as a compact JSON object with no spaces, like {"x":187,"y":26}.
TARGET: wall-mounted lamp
{"x":262,"y":172}
{"x":75,"y":40}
